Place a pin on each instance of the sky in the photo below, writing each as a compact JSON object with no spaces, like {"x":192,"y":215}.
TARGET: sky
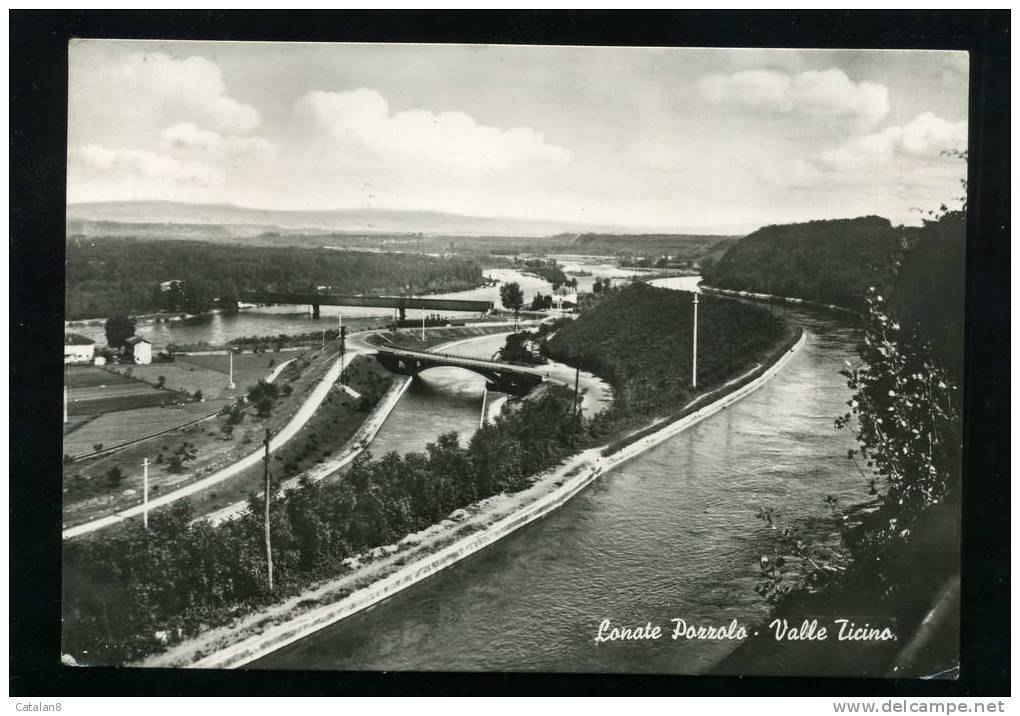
{"x":668,"y":139}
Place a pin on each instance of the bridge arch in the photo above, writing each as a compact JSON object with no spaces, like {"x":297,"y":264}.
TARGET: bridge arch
{"x":503,"y":378}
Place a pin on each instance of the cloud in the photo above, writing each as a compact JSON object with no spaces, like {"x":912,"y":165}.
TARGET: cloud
{"x":142,"y":87}
{"x":97,"y":160}
{"x":187,"y":137}
{"x":825,"y":93}
{"x":450,"y":141}
{"x":925,"y":137}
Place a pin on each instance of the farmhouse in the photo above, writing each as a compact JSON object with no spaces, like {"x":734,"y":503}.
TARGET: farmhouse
{"x":139,"y":349}
{"x":78,"y":348}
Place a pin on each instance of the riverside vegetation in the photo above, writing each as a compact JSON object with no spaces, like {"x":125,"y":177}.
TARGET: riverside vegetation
{"x":639,"y":337}
{"x":905,"y":413}
{"x":132,"y":592}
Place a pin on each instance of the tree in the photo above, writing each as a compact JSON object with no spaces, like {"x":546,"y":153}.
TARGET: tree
{"x":160,"y":382}
{"x":541,"y":302}
{"x":185,"y":453}
{"x":114,"y":477}
{"x":118,"y":330}
{"x":513,"y":298}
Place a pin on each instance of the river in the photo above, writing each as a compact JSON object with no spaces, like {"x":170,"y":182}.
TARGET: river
{"x":218,"y":328}
{"x":671,"y":534}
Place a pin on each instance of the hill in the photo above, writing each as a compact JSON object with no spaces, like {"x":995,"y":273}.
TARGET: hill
{"x":680,"y":246}
{"x":124,"y":276}
{"x":339,"y":220}
{"x":639,"y":339}
{"x":831,"y":261}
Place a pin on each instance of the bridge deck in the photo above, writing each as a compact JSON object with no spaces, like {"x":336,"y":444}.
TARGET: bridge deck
{"x":451,"y":359}
{"x":335,"y":299}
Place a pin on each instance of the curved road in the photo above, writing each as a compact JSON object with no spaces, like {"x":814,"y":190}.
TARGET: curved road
{"x":356,"y":346}
{"x":295,"y":424}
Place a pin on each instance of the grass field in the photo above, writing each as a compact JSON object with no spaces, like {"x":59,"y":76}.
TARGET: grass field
{"x":94,"y":390}
{"x":77,"y":376}
{"x":209,"y":373}
{"x":249,"y":368}
{"x":122,"y":426}
{"x":90,"y":492}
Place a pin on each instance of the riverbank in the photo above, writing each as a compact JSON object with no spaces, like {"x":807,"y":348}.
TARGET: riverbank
{"x":362,"y":439}
{"x":751,"y":295}
{"x":920,"y":606}
{"x":387,"y":570}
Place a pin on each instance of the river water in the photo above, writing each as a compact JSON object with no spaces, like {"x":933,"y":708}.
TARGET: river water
{"x":218,"y":328}
{"x":670,"y":534}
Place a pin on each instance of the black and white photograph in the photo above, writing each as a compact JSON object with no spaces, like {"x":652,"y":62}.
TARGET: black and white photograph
{"x":488,"y":357}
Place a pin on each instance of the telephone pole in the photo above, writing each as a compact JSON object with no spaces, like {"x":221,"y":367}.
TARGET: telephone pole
{"x":485,"y":395}
{"x":268,"y":492}
{"x":230,"y":352}
{"x":343,"y":354}
{"x":577,"y":382}
{"x":145,"y":493}
{"x":694,"y":343}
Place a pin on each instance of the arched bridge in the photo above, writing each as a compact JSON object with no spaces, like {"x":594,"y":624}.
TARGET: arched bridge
{"x":502,"y":377}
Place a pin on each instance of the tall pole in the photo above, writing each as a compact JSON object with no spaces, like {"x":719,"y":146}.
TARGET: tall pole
{"x":269,"y":548}
{"x":145,"y":493}
{"x":577,"y":382}
{"x":485,"y":394}
{"x":422,"y":327}
{"x":694,"y":363}
{"x":230,"y":353}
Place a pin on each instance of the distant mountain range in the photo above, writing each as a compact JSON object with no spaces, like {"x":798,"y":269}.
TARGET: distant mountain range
{"x":372,"y":221}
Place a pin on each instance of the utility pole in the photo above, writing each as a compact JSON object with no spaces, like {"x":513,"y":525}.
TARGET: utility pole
{"x":485,"y":394}
{"x":230,"y":352}
{"x":66,"y":378}
{"x":145,"y":493}
{"x":422,"y":327}
{"x":268,"y":492}
{"x":577,"y":382}
{"x":343,"y":354}
{"x":694,"y":343}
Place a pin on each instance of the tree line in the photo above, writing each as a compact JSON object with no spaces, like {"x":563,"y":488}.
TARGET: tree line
{"x":123,"y":276}
{"x":132,"y":592}
{"x":833,"y":261}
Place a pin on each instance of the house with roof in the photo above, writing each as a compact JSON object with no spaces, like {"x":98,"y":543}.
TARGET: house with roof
{"x":78,"y":348}
{"x":139,"y":350}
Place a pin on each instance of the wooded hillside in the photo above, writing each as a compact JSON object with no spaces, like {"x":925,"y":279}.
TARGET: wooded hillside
{"x":833,"y":261}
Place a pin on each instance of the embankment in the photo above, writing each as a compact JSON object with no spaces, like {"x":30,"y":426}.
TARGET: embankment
{"x":751,"y":295}
{"x":446,"y":545}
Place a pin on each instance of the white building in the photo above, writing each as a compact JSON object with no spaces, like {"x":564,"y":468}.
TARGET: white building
{"x":139,"y":349}
{"x":78,"y":348}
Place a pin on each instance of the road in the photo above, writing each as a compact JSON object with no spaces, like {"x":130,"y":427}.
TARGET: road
{"x":356,"y":345}
{"x":303,"y":414}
